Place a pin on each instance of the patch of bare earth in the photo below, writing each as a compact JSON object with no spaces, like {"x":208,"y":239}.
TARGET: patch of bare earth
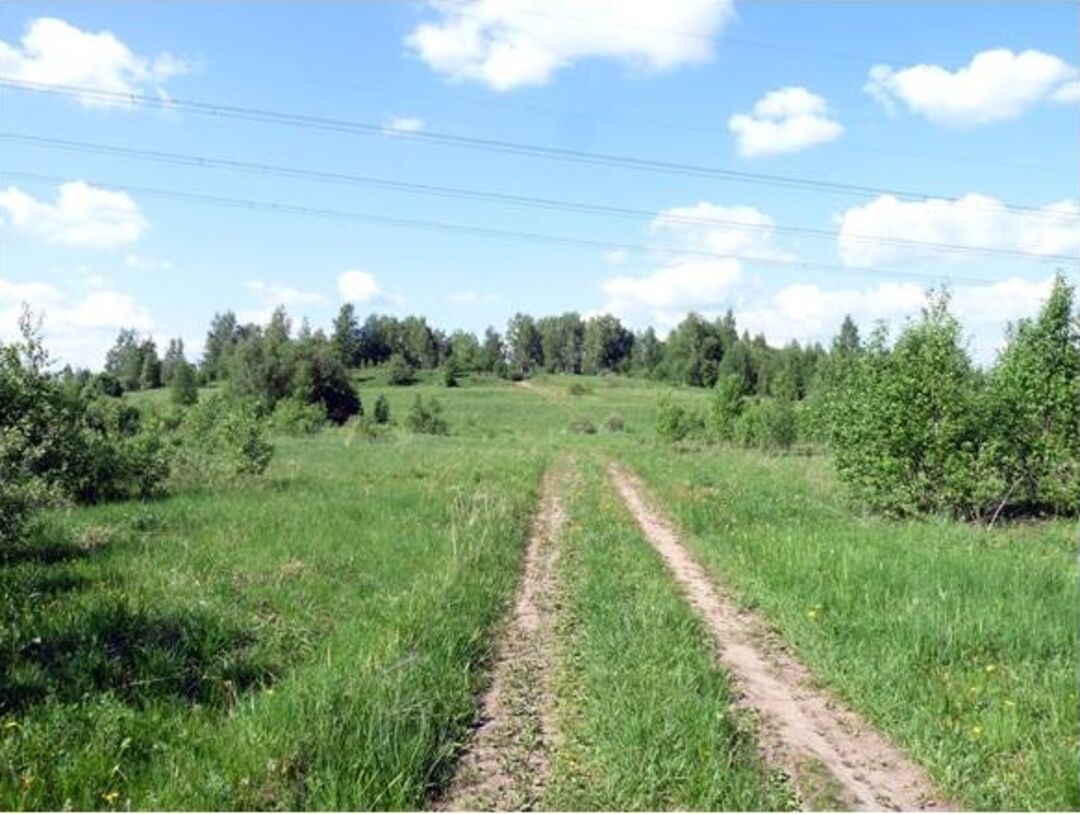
{"x":541,"y":390}
{"x":833,"y":757}
{"x":506,"y":761}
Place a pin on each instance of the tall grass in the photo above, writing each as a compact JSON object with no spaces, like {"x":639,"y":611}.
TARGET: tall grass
{"x":961,"y":643}
{"x":643,"y":707}
{"x":313,"y":641}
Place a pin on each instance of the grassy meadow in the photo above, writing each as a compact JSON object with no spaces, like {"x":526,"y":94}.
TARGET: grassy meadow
{"x":318,"y":637}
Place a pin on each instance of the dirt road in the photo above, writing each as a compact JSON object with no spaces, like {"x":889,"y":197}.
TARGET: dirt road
{"x":833,"y":757}
{"x":505,"y":764}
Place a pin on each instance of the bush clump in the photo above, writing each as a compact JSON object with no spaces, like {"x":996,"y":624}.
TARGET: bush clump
{"x":426,"y":417}
{"x":583,"y":426}
{"x":674,"y":422}
{"x":382,"y":409}
{"x":400,"y":371}
{"x":294,"y":416}
{"x":768,"y":424}
{"x":578,"y":389}
{"x":614,"y":423}
{"x":220,"y":439}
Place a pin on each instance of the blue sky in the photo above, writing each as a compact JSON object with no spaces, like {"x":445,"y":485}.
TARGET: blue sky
{"x":977,"y":102}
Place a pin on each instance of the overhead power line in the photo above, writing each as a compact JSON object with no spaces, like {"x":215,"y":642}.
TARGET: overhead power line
{"x":483,"y":231}
{"x":530,"y":202}
{"x":493,"y":145}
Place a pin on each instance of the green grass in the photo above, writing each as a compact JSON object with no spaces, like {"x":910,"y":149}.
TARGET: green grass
{"x":960,"y":643}
{"x":642,"y":704}
{"x":316,"y":638}
{"x":312,"y":640}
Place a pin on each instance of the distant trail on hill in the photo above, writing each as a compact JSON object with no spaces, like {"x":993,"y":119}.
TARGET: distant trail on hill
{"x":505,"y":764}
{"x":831,"y":755}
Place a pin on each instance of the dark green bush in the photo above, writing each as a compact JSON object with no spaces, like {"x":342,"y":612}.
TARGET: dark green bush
{"x":614,"y":423}
{"x":582,"y":426}
{"x":382,"y":409}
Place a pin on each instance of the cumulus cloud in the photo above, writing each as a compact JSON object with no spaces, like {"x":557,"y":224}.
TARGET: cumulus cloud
{"x":83,"y":216}
{"x":688,"y":285}
{"x":809,"y":313}
{"x":403,"y":125}
{"x":973,"y":220}
{"x":78,"y":329}
{"x":996,"y":85}
{"x":687,"y":281}
{"x":54,"y":52}
{"x":739,"y":231}
{"x":278,"y":294}
{"x":358,"y":286}
{"x":784,"y":121}
{"x":506,"y":44}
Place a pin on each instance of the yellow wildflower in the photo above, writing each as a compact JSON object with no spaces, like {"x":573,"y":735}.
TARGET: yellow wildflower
{"x":991,"y":668}
{"x":111,"y":797}
{"x":976,"y":731}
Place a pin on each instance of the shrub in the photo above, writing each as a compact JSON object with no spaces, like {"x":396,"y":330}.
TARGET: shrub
{"x":767,"y":424}
{"x":614,"y":423}
{"x":450,"y":375}
{"x":426,"y":418}
{"x":382,"y":409}
{"x":675,"y":422}
{"x":578,"y":389}
{"x":183,"y":386}
{"x":220,"y":439}
{"x":118,"y":458}
{"x":1033,"y":409}
{"x":725,"y":407}
{"x":583,"y":426}
{"x":400,"y":371}
{"x":293,"y":416}
{"x":321,"y":378}
{"x":905,"y":423}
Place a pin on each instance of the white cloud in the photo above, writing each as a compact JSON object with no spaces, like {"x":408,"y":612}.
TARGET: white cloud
{"x":403,"y":125}
{"x":615,"y":257}
{"x":973,"y":220}
{"x":809,"y":313}
{"x":470,"y":297}
{"x":83,"y":215}
{"x":54,"y":52}
{"x":78,"y":330}
{"x":506,"y":44}
{"x":134,"y":261}
{"x":996,"y":85}
{"x":358,"y":286}
{"x":274,"y":294}
{"x":784,"y":121}
{"x":739,"y":231}
{"x":1067,"y":94}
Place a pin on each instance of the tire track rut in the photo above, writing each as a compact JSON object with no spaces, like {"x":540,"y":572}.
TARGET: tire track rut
{"x":505,"y":764}
{"x":831,"y":754}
